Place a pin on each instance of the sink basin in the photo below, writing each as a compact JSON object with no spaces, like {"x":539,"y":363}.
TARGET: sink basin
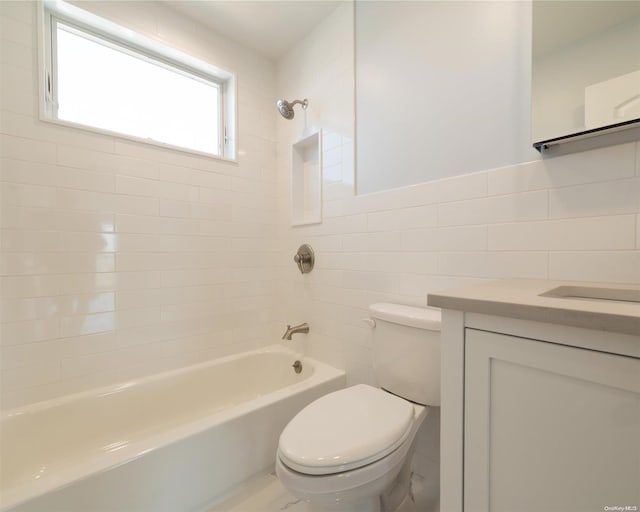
{"x":593,"y":293}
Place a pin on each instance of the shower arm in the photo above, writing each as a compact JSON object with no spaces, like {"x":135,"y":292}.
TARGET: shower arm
{"x":304,"y":103}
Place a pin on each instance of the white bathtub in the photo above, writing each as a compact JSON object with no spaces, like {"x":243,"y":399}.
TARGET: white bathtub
{"x":173,"y":442}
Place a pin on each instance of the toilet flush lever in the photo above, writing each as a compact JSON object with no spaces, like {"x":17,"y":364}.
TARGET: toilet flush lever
{"x":304,"y":258}
{"x":370,"y":322}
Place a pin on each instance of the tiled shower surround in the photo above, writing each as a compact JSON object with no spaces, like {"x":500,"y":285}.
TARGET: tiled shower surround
{"x":121,"y":259}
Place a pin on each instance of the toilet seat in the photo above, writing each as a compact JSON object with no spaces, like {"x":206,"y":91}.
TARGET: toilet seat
{"x":345,"y":430}
{"x":335,"y":489}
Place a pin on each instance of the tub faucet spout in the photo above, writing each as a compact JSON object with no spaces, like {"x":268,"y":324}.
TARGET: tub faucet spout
{"x":302,"y":328}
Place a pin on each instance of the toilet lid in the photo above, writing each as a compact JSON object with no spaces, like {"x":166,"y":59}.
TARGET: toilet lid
{"x":344,"y":430}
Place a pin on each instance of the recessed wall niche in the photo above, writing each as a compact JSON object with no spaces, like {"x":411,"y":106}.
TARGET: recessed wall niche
{"x":306,"y":180}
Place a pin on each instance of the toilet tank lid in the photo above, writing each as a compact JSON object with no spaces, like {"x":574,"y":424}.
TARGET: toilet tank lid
{"x":412,"y":316}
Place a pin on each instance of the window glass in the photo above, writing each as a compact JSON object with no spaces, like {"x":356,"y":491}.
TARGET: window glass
{"x":111,"y":87}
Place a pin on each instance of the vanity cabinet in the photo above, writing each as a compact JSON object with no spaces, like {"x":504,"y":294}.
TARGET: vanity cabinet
{"x":540,"y":406}
{"x":548,"y":426}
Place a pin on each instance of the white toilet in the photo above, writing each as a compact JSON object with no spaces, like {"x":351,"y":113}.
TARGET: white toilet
{"x":351,"y":450}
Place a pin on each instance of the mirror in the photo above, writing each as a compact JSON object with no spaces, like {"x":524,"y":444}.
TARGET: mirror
{"x":442,"y":90}
{"x":586,"y":69}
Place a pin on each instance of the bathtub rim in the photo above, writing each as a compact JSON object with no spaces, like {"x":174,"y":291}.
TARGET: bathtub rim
{"x":129,"y":383}
{"x":24,"y":491}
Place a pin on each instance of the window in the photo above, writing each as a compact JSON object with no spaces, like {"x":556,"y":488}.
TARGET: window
{"x":100,"y":76}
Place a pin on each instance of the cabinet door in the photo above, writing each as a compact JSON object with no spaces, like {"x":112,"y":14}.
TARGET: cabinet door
{"x":549,"y":427}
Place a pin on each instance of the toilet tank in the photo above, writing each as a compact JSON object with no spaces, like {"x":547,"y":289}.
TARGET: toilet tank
{"x":406,"y":351}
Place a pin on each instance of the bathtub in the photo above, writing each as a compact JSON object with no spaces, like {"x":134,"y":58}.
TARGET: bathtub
{"x":176,"y":441}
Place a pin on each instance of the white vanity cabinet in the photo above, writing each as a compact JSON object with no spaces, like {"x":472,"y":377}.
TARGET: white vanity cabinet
{"x":536,"y":416}
{"x":548,"y":427}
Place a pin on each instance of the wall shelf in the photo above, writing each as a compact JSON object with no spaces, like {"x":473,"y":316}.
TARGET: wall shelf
{"x":620,"y":133}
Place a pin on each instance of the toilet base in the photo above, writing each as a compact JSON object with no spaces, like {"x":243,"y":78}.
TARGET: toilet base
{"x":397,"y":497}
{"x":374,"y":504}
{"x":407,"y":505}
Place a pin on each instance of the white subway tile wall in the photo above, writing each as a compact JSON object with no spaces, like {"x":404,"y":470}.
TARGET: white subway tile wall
{"x":121,"y":259}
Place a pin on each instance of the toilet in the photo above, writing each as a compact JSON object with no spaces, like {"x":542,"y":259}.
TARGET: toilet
{"x":351,"y":450}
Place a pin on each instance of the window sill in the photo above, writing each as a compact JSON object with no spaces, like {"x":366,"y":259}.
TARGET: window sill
{"x":140,"y":140}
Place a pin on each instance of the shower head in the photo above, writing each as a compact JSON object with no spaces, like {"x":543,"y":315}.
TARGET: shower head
{"x":286,"y":109}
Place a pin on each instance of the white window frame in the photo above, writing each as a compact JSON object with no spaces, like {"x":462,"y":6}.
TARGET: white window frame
{"x":88,"y":25}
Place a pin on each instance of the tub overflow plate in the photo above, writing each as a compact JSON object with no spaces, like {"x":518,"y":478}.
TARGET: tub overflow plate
{"x":297,"y":366}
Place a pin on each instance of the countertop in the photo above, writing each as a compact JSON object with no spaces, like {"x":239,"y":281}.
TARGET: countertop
{"x":521,"y":298}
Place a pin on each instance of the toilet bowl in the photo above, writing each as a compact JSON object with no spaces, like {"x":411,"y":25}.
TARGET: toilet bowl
{"x":351,"y":450}
{"x":363,"y":471}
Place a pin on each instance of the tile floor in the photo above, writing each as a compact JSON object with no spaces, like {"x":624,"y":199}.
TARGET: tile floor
{"x":266,"y":494}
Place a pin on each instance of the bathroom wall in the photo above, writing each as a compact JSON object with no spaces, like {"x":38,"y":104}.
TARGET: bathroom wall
{"x":120,"y":258}
{"x":574,"y":217}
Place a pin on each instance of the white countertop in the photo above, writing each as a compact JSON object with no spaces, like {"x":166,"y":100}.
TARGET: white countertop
{"x":521,"y":298}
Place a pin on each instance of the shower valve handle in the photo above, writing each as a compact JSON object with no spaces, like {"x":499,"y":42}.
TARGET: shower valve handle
{"x":304,"y":258}
{"x":301,"y":259}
